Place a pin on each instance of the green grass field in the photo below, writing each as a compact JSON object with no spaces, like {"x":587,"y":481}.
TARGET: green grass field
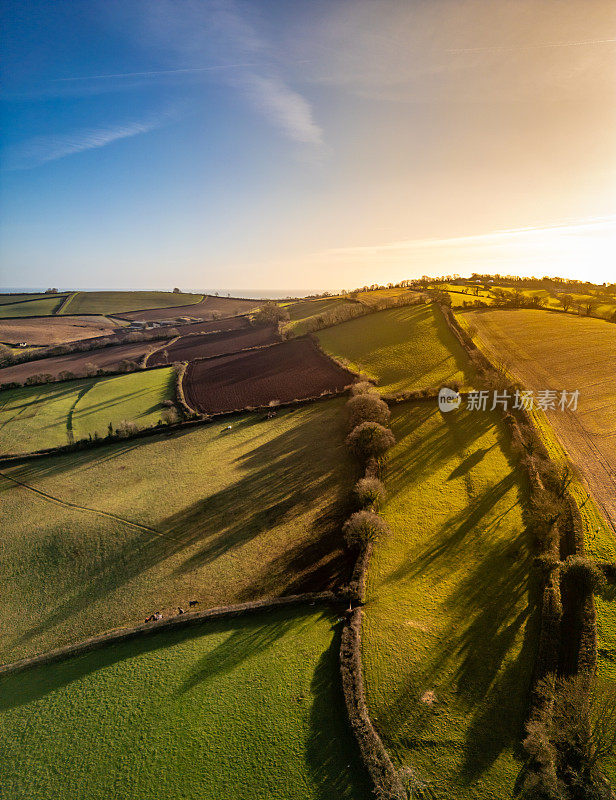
{"x":43,"y":307}
{"x":105,"y":537}
{"x":247,"y":708}
{"x":461,"y":295}
{"x":15,"y":298}
{"x":310,"y":308}
{"x":603,"y":304}
{"x":117,"y":302}
{"x":372,"y":298}
{"x":304,"y":313}
{"x":402,"y":348}
{"x":35,"y":417}
{"x":449,"y":630}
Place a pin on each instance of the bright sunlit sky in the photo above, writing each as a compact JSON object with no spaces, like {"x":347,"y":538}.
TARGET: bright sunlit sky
{"x":306,"y":144}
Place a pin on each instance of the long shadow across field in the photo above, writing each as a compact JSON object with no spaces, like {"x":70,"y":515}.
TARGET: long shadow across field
{"x":282,"y":479}
{"x":246,"y":637}
{"x":487,"y":608}
{"x":331,"y":754}
{"x":330,"y":742}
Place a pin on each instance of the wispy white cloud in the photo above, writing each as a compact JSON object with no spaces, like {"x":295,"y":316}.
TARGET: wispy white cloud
{"x":41,"y":149}
{"x":538,"y":46}
{"x":283,"y":107}
{"x":153,"y":73}
{"x":230,"y":36}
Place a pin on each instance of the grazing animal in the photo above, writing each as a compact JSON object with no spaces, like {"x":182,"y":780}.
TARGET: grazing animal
{"x":181,"y":611}
{"x":192,"y":603}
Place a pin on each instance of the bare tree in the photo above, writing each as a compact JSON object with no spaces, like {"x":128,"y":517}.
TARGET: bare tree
{"x":566,"y":301}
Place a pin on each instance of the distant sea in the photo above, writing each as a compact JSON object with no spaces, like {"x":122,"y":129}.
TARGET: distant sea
{"x":258,"y":294}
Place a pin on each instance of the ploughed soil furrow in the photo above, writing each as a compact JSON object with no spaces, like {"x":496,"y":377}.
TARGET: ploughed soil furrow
{"x":207,"y":309}
{"x":293,"y":370}
{"x":42,"y":331}
{"x":207,"y":345}
{"x":214,"y":325}
{"x":108,"y":358}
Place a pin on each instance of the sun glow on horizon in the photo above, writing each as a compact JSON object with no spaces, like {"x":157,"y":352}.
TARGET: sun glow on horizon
{"x":582,"y":250}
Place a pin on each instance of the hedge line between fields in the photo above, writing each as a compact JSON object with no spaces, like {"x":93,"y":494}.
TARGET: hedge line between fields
{"x":378,"y":763}
{"x":385,"y":777}
{"x":339,"y":361}
{"x":119,"y":336}
{"x":9,"y":459}
{"x":167,"y":624}
{"x":355,"y":308}
{"x":140,"y":365}
{"x":122,"y":335}
{"x":480,"y":306}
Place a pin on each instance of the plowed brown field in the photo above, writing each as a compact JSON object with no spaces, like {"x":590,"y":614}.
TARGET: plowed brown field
{"x":214,"y":325}
{"x":288,"y":371}
{"x":206,"y":345}
{"x":226,"y":306}
{"x":53,"y":330}
{"x":104,"y":358}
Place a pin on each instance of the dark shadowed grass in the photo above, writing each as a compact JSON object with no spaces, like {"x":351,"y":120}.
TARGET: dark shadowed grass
{"x":240,"y":708}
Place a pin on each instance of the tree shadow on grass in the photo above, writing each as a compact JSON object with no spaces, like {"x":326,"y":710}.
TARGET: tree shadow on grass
{"x":476,"y":663}
{"x":443,"y":548}
{"x":469,"y":462}
{"x":488,"y":682}
{"x":424,"y":445}
{"x":247,"y":637}
{"x":286,"y":477}
{"x":452,"y":345}
{"x":331,"y":751}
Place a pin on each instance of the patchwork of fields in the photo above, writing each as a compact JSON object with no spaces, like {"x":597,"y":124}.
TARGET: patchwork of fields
{"x":108,"y":358}
{"x":17,"y":297}
{"x":450,"y":625}
{"x":292,"y":370}
{"x":308,"y":315}
{"x":46,"y":304}
{"x":401,"y":348}
{"x":105,"y":537}
{"x":117,"y":302}
{"x":253,"y":507}
{"x":51,"y":415}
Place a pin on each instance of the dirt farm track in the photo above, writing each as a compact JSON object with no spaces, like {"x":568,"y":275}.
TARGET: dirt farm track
{"x":292,"y":370}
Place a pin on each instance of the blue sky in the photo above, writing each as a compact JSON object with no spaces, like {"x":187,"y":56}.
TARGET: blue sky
{"x":307,"y":144}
